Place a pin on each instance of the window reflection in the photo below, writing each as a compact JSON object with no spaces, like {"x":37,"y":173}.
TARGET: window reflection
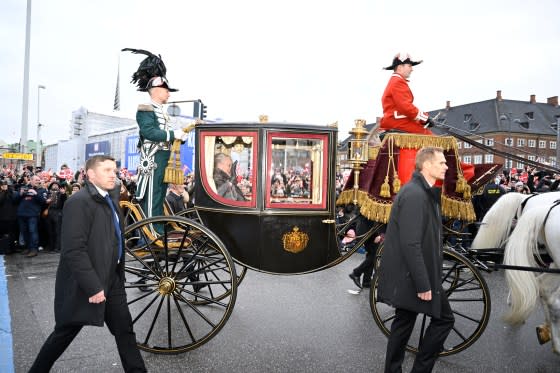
{"x":296,"y":171}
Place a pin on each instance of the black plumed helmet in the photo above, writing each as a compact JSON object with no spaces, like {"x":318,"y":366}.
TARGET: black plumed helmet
{"x":149,"y":68}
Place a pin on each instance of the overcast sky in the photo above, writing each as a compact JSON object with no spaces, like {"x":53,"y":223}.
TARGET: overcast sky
{"x":303,"y":61}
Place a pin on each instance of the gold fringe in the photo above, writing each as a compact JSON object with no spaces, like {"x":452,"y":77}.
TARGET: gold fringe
{"x":379,"y":211}
{"x":415,"y":141}
{"x":456,"y":208}
{"x":372,"y":209}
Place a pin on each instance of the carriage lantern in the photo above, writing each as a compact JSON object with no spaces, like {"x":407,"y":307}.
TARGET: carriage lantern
{"x":358,"y":151}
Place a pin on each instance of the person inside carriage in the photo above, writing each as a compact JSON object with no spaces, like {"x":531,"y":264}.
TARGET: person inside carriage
{"x":225,"y":177}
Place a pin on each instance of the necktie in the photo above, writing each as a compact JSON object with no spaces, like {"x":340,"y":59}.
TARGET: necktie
{"x":115,"y":223}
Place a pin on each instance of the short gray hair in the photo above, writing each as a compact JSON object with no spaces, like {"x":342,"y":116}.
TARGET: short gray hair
{"x":426,"y":154}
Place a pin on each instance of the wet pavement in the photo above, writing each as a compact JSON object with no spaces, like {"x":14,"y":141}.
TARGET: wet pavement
{"x":304,"y":323}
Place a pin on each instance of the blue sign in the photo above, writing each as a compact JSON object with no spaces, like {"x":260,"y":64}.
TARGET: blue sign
{"x":187,"y":154}
{"x":98,"y":148}
{"x":131,"y":154}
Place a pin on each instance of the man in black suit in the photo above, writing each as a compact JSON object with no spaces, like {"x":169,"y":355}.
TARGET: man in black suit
{"x":89,"y":288}
{"x":410,"y":272}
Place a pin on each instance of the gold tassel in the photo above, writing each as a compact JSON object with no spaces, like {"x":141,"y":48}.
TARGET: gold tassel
{"x":467,"y":192}
{"x":385,"y":191}
{"x":168,"y":176}
{"x":461,"y":184}
{"x":396,"y":184}
{"x":173,"y":172}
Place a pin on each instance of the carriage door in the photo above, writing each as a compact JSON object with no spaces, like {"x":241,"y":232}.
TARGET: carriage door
{"x":296,"y":201}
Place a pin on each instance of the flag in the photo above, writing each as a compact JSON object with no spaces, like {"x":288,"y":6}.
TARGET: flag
{"x":117,"y":103}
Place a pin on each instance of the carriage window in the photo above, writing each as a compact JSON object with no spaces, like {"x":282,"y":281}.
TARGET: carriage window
{"x":229,"y":159}
{"x":296,"y":171}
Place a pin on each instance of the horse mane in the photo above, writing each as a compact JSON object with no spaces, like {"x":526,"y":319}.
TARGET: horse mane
{"x":496,"y":224}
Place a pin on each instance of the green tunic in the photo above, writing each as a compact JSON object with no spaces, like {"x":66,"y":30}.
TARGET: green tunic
{"x":155,"y":143}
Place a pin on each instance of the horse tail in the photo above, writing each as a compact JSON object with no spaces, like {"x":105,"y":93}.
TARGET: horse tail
{"x":496,"y":224}
{"x":521,"y":246}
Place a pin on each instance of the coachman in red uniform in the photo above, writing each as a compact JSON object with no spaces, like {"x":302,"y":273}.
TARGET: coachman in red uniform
{"x":399,"y":112}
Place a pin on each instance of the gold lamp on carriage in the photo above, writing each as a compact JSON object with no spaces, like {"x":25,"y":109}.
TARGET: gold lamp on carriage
{"x":358,"y":153}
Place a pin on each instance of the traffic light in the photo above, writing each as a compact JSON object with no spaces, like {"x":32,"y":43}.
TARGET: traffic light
{"x":203,"y":112}
{"x":196,"y":109}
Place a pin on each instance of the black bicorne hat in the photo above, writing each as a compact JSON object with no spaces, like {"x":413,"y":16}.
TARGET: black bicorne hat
{"x":402,"y":59}
{"x":151,"y":67}
{"x":159,"y":81}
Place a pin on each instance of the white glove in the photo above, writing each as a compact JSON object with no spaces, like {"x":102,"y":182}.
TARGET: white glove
{"x":179,"y":135}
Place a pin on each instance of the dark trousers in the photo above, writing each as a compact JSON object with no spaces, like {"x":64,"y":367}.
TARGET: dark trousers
{"x":366,"y":266}
{"x":119,"y":322}
{"x":29,"y":227}
{"x":54,"y":225}
{"x":431,"y":345}
{"x":9,"y":230}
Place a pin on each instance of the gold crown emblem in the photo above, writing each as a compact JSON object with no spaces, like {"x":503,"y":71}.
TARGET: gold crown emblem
{"x":295,"y":241}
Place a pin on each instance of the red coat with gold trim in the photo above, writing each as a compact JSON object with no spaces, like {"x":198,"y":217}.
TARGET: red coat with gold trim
{"x":399,"y":111}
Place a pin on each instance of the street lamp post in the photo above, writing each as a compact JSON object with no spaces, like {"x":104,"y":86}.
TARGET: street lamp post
{"x":38,"y":147}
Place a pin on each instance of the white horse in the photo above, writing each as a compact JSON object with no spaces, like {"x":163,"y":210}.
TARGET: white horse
{"x":496,"y":225}
{"x":538,"y":224}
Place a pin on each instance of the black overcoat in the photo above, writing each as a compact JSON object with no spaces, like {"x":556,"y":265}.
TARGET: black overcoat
{"x":411,"y":261}
{"x":88,"y":260}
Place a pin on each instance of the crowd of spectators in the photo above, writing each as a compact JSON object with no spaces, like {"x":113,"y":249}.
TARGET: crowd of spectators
{"x":290,"y":183}
{"x":528,"y":180}
{"x":31,"y":206}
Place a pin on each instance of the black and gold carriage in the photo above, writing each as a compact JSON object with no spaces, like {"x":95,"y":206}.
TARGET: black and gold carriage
{"x":265,"y":200}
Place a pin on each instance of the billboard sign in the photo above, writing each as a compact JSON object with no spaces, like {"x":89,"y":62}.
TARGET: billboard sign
{"x":24,"y":156}
{"x":131,"y":154}
{"x":98,"y":148}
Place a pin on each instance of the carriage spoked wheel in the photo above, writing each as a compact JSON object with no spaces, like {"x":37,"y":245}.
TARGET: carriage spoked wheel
{"x":241,"y":271}
{"x":181,"y":283}
{"x":468,"y":296}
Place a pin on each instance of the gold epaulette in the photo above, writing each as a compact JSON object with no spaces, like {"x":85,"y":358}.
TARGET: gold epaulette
{"x":145,"y":107}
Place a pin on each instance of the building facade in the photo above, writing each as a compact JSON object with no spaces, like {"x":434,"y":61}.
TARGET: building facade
{"x":528,"y":129}
{"x":96,"y":134}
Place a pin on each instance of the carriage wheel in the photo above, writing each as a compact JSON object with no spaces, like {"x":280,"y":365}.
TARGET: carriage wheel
{"x":181,"y":283}
{"x":241,"y":271}
{"x":468,"y":296}
{"x":223,"y":292}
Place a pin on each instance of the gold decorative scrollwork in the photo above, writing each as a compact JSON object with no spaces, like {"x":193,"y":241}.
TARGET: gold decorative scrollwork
{"x":295,"y":241}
